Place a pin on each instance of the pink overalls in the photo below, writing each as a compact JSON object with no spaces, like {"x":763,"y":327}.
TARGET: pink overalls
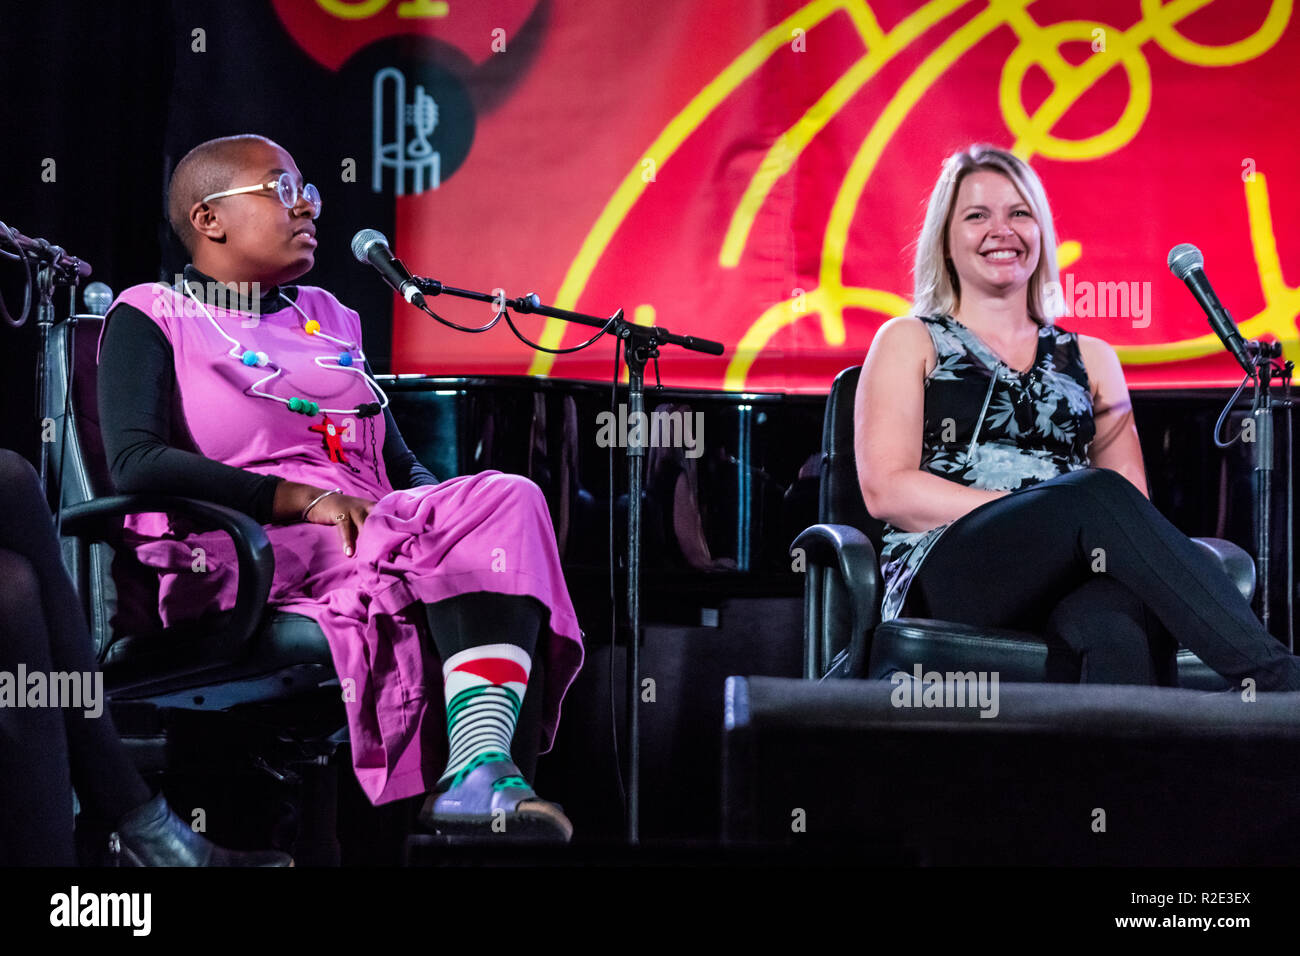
{"x":484,"y":532}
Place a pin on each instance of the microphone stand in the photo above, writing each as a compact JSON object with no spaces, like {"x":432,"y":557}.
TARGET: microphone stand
{"x":55,"y":267}
{"x":49,"y":276}
{"x":640,"y":345}
{"x":1262,"y":355}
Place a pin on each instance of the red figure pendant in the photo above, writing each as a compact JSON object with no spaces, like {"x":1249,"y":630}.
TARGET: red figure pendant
{"x":330,"y":439}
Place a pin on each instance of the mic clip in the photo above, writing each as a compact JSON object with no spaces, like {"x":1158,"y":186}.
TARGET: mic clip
{"x":1258,"y":348}
{"x":427,"y":286}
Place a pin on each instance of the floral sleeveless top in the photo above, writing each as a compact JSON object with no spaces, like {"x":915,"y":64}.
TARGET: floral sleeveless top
{"x":991,"y":427}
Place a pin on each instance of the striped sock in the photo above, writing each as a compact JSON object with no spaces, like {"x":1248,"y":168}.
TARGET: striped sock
{"x":485,"y":688}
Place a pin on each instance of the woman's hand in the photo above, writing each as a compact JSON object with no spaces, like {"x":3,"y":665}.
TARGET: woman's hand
{"x":347,"y":512}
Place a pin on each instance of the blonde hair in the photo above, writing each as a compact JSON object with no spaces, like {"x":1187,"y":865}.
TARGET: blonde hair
{"x":936,"y":288}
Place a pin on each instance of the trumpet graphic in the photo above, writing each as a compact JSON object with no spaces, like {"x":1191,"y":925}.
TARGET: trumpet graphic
{"x":414,"y":155}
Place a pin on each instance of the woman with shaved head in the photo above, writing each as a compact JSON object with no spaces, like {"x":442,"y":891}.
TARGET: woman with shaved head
{"x":440,"y":600}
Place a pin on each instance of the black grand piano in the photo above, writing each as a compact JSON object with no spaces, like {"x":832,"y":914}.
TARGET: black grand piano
{"x":750,"y":485}
{"x":720,"y":592}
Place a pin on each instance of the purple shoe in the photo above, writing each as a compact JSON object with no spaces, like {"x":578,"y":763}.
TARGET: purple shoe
{"x":494,"y":801}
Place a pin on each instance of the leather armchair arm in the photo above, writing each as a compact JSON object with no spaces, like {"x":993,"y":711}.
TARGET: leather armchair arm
{"x":100,"y":520}
{"x":848,"y":555}
{"x":1237,"y":564}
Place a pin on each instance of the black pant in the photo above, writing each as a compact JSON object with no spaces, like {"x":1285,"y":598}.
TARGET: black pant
{"x":1086,"y":557}
{"x":46,"y":751}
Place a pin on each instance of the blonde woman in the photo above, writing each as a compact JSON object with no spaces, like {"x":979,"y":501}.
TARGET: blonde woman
{"x":1000,"y":451}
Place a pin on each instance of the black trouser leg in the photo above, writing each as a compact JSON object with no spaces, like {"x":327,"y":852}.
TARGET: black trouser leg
{"x":1110,"y":628}
{"x":45,"y":624}
{"x":1010,"y":562}
{"x":35,"y":786}
{"x":471,"y":620}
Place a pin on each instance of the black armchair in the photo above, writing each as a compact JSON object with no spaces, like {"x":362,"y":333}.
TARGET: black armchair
{"x":267,"y":679}
{"x":843,"y":635}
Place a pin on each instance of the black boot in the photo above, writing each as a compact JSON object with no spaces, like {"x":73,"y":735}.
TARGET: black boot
{"x":153,"y":835}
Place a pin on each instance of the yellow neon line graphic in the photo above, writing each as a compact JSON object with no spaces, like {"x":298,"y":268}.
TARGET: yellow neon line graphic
{"x":1281,"y":302}
{"x":1037,"y":46}
{"x":679,"y":128}
{"x":831,"y":296}
{"x":787,"y":149}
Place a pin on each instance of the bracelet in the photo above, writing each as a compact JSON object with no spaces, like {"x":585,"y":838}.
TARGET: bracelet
{"x":318,"y":498}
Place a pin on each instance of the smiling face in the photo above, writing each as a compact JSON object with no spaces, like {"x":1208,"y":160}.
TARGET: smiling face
{"x":993,"y":239}
{"x":252,"y":237}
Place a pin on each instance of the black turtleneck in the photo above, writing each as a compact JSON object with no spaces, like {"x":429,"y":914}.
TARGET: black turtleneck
{"x":137,"y":399}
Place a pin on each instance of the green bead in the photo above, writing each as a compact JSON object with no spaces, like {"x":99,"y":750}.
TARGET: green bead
{"x":295,"y":404}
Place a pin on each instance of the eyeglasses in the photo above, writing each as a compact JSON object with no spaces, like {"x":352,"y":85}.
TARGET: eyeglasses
{"x":285,"y":187}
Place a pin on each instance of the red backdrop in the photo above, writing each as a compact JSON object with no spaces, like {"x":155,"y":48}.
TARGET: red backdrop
{"x":755,"y":171}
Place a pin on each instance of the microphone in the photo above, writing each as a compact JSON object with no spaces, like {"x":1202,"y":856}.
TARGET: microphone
{"x":98,"y":297}
{"x":371,"y":245}
{"x":1187,"y":263}
{"x":38,"y":250}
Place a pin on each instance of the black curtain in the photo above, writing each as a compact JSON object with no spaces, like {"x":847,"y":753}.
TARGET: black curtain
{"x":85,"y":86}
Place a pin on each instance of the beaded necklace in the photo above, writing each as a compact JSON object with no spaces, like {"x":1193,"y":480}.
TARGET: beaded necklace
{"x":331,"y":438}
